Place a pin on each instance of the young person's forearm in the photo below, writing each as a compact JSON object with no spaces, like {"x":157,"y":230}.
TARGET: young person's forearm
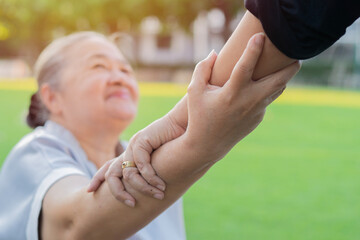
{"x":270,"y":61}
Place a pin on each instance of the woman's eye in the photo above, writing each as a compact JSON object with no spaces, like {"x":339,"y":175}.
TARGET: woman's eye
{"x":125,"y":70}
{"x":99,"y":66}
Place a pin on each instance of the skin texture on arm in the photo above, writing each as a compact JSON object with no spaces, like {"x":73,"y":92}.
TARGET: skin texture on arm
{"x":69,"y":212}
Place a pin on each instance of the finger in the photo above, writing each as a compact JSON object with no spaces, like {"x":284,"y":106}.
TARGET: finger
{"x":99,"y":177}
{"x":202,"y":73}
{"x":271,"y":84}
{"x":142,"y":160}
{"x":113,"y":178}
{"x":132,"y":176}
{"x":128,"y":155}
{"x":118,"y":191}
{"x":244,"y":68}
{"x":115,"y":168}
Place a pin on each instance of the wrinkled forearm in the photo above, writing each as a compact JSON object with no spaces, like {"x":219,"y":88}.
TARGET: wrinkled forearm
{"x":100,"y":215}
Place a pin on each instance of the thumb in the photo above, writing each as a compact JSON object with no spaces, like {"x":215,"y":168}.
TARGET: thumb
{"x":99,"y":177}
{"x":244,"y":68}
{"x":202,"y":73}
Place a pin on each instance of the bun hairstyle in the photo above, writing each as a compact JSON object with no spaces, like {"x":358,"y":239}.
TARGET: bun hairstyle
{"x":38,"y":113}
{"x":48,"y":69}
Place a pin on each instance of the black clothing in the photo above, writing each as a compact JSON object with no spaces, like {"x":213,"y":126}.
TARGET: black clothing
{"x":302,"y":29}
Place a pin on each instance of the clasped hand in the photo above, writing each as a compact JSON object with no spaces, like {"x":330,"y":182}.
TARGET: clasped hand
{"x":218,"y":118}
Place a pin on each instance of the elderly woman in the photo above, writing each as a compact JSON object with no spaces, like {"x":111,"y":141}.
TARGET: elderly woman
{"x":87,"y":97}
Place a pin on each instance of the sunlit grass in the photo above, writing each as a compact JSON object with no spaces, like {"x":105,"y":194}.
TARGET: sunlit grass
{"x":296,"y":177}
{"x":297,"y":96}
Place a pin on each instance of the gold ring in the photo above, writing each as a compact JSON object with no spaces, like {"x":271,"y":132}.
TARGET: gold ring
{"x":128,"y":164}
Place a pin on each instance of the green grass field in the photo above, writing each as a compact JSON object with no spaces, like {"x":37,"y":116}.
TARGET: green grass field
{"x":296,"y":177}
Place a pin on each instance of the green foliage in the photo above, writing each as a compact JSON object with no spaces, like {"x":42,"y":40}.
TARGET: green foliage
{"x":33,"y":24}
{"x":13,"y":109}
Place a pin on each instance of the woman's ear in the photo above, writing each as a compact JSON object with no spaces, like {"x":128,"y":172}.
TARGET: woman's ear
{"x":51,"y":99}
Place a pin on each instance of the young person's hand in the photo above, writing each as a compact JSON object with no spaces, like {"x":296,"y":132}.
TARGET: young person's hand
{"x":219,"y":117}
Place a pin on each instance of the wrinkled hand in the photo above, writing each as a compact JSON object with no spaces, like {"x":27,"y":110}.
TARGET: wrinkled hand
{"x":142,"y":178}
{"x":219,"y":117}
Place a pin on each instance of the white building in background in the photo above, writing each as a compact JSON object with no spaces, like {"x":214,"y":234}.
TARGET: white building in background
{"x":179,"y":47}
{"x":157,"y":49}
{"x":15,"y":68}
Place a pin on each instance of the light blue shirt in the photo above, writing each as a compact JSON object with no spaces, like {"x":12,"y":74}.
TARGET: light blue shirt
{"x":39,"y":160}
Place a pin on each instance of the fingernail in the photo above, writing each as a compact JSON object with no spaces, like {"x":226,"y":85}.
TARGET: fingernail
{"x":130,"y":203}
{"x":159,"y":196}
{"x":161,"y":187}
{"x":259,"y":38}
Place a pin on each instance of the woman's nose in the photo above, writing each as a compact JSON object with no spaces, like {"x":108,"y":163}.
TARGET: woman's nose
{"x":117,"y":77}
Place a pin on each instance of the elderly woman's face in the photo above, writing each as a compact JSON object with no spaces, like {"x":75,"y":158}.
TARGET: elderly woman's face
{"x":98,"y":84}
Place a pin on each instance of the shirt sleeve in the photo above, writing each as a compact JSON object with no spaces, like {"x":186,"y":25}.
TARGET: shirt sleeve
{"x":57,"y":164}
{"x":45,"y":185}
{"x":303,"y":29}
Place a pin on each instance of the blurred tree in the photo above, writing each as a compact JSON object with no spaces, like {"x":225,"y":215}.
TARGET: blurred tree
{"x":30,"y":25}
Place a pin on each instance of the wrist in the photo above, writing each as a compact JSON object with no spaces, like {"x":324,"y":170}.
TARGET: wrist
{"x":179,"y":114}
{"x":210,"y":150}
{"x":199,"y":147}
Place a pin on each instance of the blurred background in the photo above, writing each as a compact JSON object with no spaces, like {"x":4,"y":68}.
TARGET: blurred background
{"x":296,"y":177}
{"x":165,"y":38}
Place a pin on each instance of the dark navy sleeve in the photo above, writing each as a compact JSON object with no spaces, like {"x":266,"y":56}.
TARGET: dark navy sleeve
{"x":302,"y":29}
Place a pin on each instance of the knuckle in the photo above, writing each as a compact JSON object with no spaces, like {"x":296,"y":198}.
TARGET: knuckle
{"x":152,"y":179}
{"x":280,"y":82}
{"x":136,"y":137}
{"x":146,"y":189}
{"x":140,"y":166}
{"x":119,"y":196}
{"x":229,"y":99}
{"x":200,"y":66}
{"x":127,"y":174}
{"x":145,"y":142}
{"x":107,"y":175}
{"x":201,"y":69}
{"x":190,"y":88}
{"x":136,"y":145}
